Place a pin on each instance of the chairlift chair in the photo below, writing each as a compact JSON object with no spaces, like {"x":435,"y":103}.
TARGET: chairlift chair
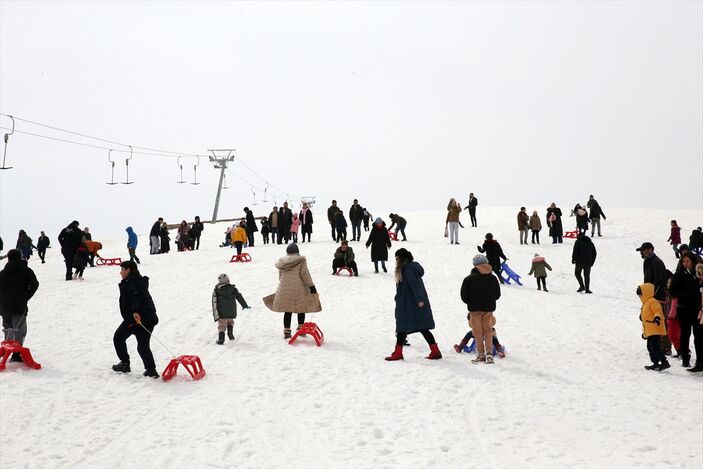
{"x":126,"y":163}
{"x":112,"y":170}
{"x":265,"y":191}
{"x":180,"y":166}
{"x":195,"y":173}
{"x":7,"y":138}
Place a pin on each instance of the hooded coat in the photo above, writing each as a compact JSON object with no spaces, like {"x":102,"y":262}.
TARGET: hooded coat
{"x":539,"y":267}
{"x":132,"y":239}
{"x":135,"y":298}
{"x":652,"y":316}
{"x":293,"y":293}
{"x":409,"y":317}
{"x":535,"y":223}
{"x":70,"y":238}
{"x":584,"y":252}
{"x":555,"y":227}
{"x":17,"y":286}
{"x":480,"y":290}
{"x":224,"y":301}
{"x":380,"y":243}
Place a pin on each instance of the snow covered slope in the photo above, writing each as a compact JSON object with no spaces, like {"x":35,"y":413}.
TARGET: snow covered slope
{"x":571,"y":392}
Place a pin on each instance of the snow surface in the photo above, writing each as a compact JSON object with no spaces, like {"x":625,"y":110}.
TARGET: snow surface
{"x":571,"y":392}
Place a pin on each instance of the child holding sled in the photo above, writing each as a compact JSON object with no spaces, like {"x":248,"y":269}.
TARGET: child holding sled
{"x":224,"y":307}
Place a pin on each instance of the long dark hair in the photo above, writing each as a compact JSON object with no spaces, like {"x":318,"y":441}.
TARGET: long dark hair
{"x":693,"y":260}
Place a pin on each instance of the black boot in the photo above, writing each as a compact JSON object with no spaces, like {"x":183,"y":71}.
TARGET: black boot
{"x":685,"y":361}
{"x":151,"y":373}
{"x":230,"y":332}
{"x":122,"y":367}
{"x":220,"y":338}
{"x":664,"y":365}
{"x":698,"y":368}
{"x":16,"y":357}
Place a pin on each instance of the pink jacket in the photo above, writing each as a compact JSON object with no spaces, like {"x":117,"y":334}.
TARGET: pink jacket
{"x":294,"y":226}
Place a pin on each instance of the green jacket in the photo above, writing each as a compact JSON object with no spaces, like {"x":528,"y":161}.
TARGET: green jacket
{"x":224,"y":301}
{"x":348,"y":256}
{"x":539,"y":267}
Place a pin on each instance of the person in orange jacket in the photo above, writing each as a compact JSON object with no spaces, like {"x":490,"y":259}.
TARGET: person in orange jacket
{"x":653,"y":327}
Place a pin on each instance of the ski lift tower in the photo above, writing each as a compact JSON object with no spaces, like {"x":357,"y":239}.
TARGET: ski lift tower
{"x":220,"y":162}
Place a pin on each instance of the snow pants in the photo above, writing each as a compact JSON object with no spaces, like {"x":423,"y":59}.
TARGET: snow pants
{"x":223,"y":323}
{"x":143,"y":337}
{"x":654,"y":349}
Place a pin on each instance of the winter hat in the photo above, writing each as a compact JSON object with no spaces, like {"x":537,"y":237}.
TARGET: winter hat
{"x":404,"y":254}
{"x":223,"y":279}
{"x":292,"y":249}
{"x":489,"y":236}
{"x":536,"y":255}
{"x":377,"y":221}
{"x":480,"y":259}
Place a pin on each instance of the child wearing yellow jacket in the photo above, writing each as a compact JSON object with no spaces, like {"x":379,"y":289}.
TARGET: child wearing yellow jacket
{"x":653,"y":327}
{"x":239,"y":237}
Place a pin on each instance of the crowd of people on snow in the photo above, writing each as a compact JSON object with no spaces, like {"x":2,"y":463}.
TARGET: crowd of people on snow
{"x":671,"y":308}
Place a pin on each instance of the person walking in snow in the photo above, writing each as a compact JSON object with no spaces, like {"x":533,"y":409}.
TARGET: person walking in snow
{"x":556,"y":230}
{"x":539,"y":268}
{"x":675,"y":237}
{"x":294,"y":227}
{"x":154,"y":241}
{"x":331,"y":212}
{"x":595,"y":215}
{"x":583,"y":257}
{"x":306,"y":221}
{"x":138,"y":318}
{"x":452,"y":221}
{"x":653,"y":328}
{"x":413,"y":312}
{"x":480,"y":291}
{"x":535,"y":225}
{"x":523,"y":224}
{"x":18,"y":284}
{"x":92,"y":253}
{"x":380,"y":243}
{"x":296,"y":291}
{"x":356,"y":215}
{"x":42,"y":244}
{"x":581,"y":219}
{"x":400,"y":223}
{"x":132,"y":242}
{"x":344,"y":258}
{"x":80,"y":262}
{"x":224,"y":307}
{"x":70,"y":238}
{"x":25,"y":245}
{"x":695,"y":241}
{"x":367,"y":218}
{"x":251,"y":226}
{"x":494,"y":253}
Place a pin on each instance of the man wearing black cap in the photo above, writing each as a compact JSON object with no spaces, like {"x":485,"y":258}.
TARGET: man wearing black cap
{"x":654,"y":270}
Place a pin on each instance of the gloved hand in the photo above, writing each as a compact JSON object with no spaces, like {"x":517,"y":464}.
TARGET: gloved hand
{"x":657,"y":321}
{"x":313,"y":290}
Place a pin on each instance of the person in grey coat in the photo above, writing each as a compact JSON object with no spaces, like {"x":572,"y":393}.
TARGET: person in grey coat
{"x":224,"y":307}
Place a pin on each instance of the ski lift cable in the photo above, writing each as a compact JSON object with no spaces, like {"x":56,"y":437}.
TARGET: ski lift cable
{"x":98,"y":138}
{"x":281,"y":191}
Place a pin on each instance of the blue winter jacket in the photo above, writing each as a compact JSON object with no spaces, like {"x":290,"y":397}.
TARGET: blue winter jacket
{"x":409,"y":317}
{"x":132,"y":240}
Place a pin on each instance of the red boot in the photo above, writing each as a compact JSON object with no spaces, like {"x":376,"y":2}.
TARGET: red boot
{"x":396,"y":355}
{"x":435,"y":354}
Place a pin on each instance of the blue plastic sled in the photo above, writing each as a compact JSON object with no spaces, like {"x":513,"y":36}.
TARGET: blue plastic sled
{"x":511,"y":275}
{"x":471,"y":347}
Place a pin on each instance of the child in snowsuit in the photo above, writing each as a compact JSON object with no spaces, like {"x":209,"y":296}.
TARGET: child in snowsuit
{"x":224,"y":307}
{"x":653,"y":329}
{"x":539,"y":268}
{"x":265,"y":230}
{"x":295,"y":224}
{"x":239,"y":237}
{"x":458,"y":348}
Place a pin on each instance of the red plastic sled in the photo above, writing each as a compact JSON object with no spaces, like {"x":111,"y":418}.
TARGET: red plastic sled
{"x":572,"y":234}
{"x":348,"y":269}
{"x":109,"y":261}
{"x":393,"y":236}
{"x":243,"y":257}
{"x":8,"y":347}
{"x":309,"y":328}
{"x":191,"y":363}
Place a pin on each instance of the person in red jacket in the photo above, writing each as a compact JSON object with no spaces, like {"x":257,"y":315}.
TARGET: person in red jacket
{"x":675,"y":237}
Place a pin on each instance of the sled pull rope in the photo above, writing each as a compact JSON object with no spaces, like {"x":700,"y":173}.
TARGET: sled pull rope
{"x":157,"y":339}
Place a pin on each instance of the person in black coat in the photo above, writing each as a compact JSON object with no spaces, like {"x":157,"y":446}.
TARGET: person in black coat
{"x":138,"y":318}
{"x":154,"y":237}
{"x":251,"y":226}
{"x":380,"y":243}
{"x":654,"y":270}
{"x":195,"y":232}
{"x":285,"y":220}
{"x":306,"y":221}
{"x":595,"y":215}
{"x":494,"y":253}
{"x":366,"y":218}
{"x":356,"y":216}
{"x":480,"y":291}
{"x":471,"y":207}
{"x":400,"y":223}
{"x":556,"y":230}
{"x":695,"y":241}
{"x":18,"y":284}
{"x":341,"y":224}
{"x":42,"y":244}
{"x":685,"y":287}
{"x":581,"y":218}
{"x":70,"y":238}
{"x":331,"y":212}
{"x":583,"y":257}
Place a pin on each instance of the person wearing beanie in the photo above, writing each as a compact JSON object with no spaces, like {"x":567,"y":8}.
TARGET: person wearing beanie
{"x":224,"y":307}
{"x":480,"y":290}
{"x":296,"y":291}
{"x":535,"y":226}
{"x":539,"y":268}
{"x":18,"y":284}
{"x":380,"y":243}
{"x":494,"y":253}
{"x":413,"y":312}
{"x":400,"y":223}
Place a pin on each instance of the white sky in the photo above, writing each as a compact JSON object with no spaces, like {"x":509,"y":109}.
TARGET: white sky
{"x":402,"y":105}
